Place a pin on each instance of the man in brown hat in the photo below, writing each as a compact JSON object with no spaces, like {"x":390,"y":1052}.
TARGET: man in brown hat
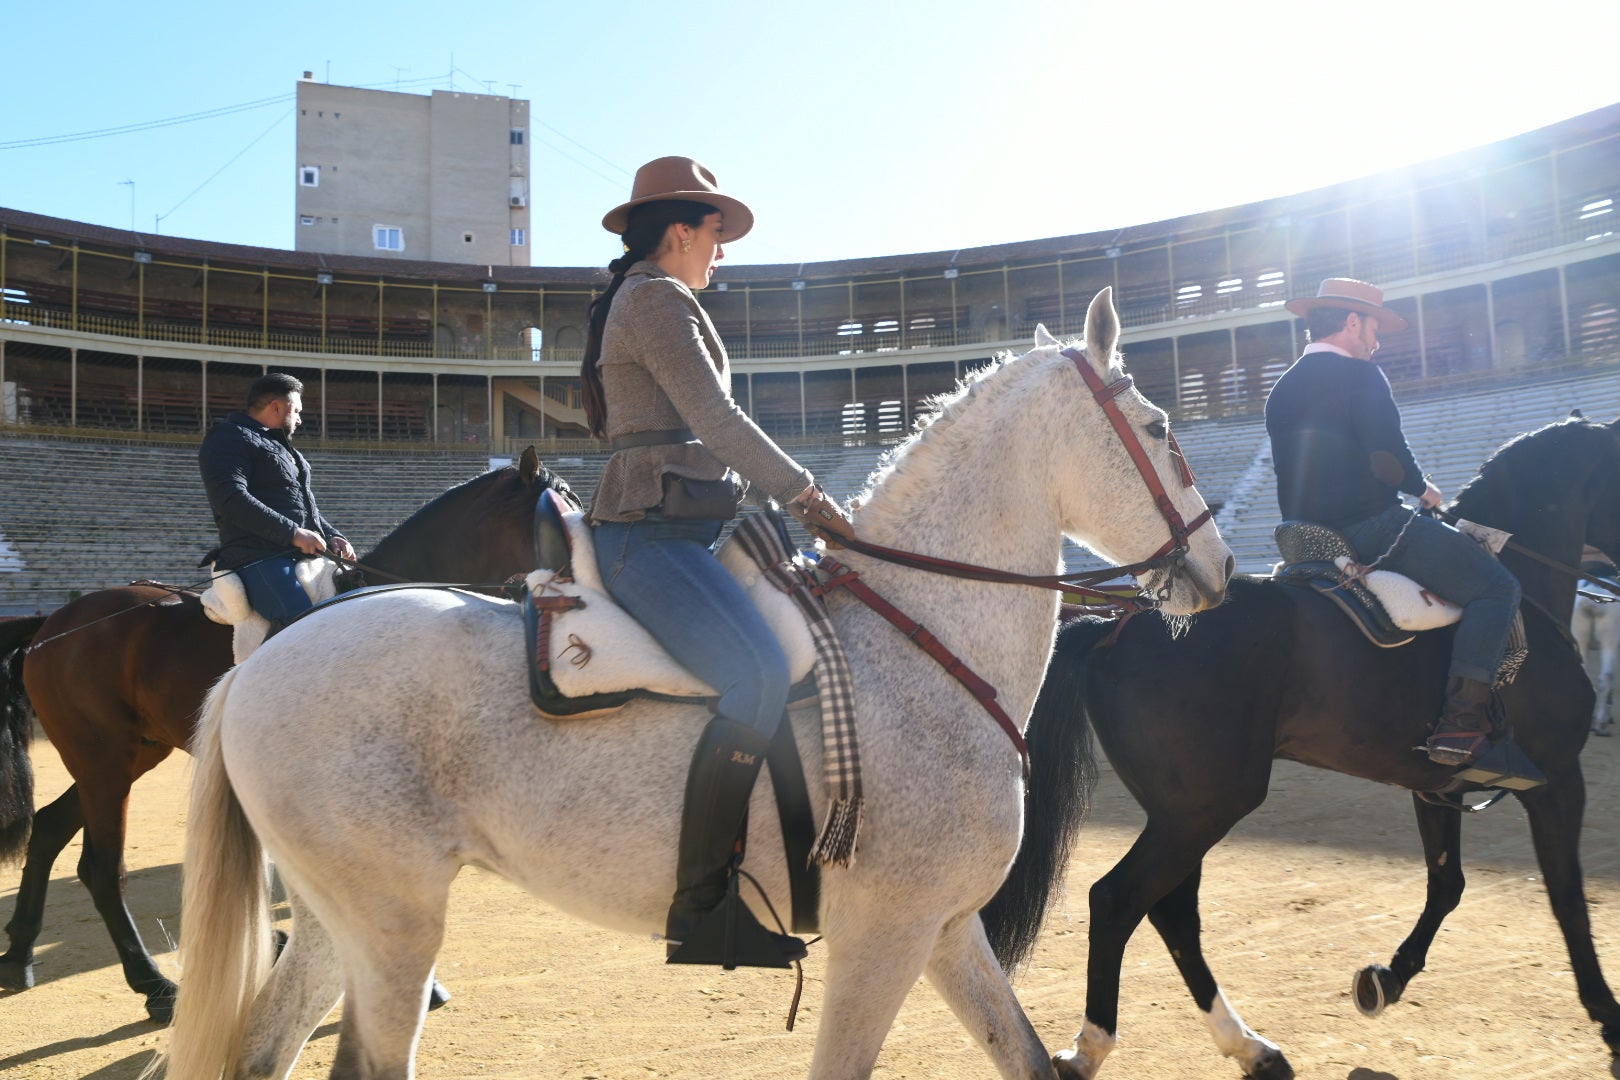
{"x":1342,"y":460}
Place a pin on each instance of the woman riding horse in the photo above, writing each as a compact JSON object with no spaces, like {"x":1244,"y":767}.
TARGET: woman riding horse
{"x":657,"y":383}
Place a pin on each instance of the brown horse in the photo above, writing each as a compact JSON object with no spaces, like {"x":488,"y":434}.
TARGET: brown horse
{"x":116,"y":678}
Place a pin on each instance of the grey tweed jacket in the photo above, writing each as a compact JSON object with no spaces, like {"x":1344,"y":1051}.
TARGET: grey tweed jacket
{"x":663,"y":367}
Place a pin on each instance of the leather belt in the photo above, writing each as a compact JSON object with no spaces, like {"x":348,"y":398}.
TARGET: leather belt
{"x":653,"y":438}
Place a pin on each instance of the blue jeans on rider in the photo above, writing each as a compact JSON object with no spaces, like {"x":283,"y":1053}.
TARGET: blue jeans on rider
{"x":273,"y":589}
{"x":665,"y":574}
{"x":1455,"y":568}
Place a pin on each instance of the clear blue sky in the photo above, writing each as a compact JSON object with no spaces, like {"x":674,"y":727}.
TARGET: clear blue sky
{"x":853,"y":127}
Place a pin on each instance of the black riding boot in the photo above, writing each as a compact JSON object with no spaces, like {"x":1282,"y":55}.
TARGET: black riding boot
{"x":708,"y":922}
{"x":1463,"y":737}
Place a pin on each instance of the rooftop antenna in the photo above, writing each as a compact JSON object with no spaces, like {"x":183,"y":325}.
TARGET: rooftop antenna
{"x":397,"y":72}
{"x":329,"y":72}
{"x":489,"y":85}
{"x":514,"y":87}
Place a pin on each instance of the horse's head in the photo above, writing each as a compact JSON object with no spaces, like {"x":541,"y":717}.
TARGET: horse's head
{"x":1120,"y":440}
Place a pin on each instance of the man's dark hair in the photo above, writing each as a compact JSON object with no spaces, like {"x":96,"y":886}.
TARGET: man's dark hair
{"x":1325,"y":322}
{"x":267,"y":388}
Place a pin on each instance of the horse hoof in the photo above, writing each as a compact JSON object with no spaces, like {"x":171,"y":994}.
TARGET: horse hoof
{"x":1066,"y":1066}
{"x":15,"y":975}
{"x":1271,"y":1065}
{"x":1374,"y":987}
{"x":1602,"y":729}
{"x":437,"y":996}
{"x":160,"y":1004}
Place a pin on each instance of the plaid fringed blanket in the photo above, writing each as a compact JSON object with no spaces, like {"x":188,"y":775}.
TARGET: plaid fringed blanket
{"x":766,"y":544}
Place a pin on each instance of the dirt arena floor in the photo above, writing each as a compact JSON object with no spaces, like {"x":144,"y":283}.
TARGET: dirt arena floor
{"x":1323,"y":879}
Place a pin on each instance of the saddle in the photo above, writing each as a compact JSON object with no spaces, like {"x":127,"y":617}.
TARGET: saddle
{"x":589,"y":657}
{"x":1388,"y":608}
{"x":225,"y":601}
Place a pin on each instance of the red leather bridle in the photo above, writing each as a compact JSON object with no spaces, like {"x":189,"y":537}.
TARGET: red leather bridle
{"x":1127,"y":601}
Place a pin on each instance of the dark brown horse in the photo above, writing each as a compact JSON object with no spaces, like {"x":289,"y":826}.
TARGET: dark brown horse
{"x":1191,"y":722}
{"x":116,"y":678}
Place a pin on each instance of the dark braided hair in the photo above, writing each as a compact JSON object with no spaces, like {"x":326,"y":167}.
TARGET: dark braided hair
{"x":642,"y":237}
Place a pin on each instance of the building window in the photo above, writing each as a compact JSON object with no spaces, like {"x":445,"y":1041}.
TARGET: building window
{"x":466,"y":238}
{"x":309,"y":175}
{"x":517,"y":136}
{"x":387,"y":238}
{"x":306,"y":220}
{"x":520,"y":237}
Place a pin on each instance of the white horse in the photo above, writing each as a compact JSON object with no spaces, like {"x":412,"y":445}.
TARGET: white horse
{"x":1596,"y":626}
{"x":377,"y":749}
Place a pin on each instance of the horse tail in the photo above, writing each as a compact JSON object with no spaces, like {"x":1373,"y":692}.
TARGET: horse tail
{"x":225,"y":931}
{"x":1063,"y":773}
{"x":16,"y":732}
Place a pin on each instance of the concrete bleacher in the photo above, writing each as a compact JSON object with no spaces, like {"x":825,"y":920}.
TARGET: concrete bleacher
{"x":80,"y":514}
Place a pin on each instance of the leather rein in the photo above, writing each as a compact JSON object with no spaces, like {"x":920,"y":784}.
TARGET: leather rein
{"x":1123,"y":600}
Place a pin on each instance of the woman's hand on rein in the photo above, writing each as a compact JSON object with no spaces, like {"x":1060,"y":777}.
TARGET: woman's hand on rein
{"x":823,"y":517}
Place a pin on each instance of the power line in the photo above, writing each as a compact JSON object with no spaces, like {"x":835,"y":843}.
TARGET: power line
{"x":222,"y":168}
{"x":146,"y":125}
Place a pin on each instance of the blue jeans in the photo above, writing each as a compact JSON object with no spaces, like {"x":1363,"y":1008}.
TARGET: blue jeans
{"x":1454,"y":567}
{"x":273,"y":589}
{"x":665,"y":574}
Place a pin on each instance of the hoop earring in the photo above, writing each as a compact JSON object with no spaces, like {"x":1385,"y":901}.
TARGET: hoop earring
{"x":686,"y":247}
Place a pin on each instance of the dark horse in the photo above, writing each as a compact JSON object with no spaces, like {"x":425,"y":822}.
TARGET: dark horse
{"x":1191,"y":719}
{"x":119,"y":674}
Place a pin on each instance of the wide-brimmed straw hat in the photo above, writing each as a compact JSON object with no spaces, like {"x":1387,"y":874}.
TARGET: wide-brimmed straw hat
{"x":1348,"y":294}
{"x":680,"y":178}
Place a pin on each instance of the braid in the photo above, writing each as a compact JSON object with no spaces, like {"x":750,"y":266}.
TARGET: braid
{"x":642,"y":238}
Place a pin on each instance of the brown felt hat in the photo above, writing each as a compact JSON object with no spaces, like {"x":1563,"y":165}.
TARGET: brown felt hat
{"x":680,"y":178}
{"x":1348,"y":294}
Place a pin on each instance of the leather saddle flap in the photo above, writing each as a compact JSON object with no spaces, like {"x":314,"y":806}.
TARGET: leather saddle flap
{"x":587,"y":655}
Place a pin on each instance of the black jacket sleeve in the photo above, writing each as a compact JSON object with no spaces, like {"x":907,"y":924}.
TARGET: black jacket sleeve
{"x":1377,"y":423}
{"x":226,"y":462}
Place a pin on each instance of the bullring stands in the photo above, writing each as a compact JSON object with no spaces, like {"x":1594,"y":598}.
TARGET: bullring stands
{"x":82,"y":514}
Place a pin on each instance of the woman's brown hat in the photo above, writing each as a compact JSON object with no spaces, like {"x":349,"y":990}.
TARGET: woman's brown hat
{"x":680,"y":178}
{"x":1348,"y":294}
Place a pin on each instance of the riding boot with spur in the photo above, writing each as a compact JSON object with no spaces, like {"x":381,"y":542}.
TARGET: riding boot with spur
{"x":708,"y":921}
{"x":1462,"y":737}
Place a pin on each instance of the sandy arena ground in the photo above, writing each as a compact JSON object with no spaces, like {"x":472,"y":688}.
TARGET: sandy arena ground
{"x":1326,"y":877}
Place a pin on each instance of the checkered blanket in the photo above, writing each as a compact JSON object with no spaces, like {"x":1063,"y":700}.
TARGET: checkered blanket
{"x":766,"y":543}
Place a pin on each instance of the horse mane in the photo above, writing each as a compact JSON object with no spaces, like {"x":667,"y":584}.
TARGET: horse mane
{"x":432,"y":515}
{"x":940,"y":410}
{"x":1543,"y":455}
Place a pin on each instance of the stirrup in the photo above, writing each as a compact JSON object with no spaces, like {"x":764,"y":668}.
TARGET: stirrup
{"x":729,"y":935}
{"x":1456,"y":747}
{"x":1503,"y":765}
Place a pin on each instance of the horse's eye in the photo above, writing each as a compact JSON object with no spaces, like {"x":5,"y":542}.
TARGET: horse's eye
{"x":1158,"y":429}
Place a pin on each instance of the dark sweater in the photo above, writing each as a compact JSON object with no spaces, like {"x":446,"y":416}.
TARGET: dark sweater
{"x":258,"y":487}
{"x":1336,"y":442}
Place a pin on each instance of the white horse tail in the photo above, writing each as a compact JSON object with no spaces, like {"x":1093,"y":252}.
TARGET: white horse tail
{"x":226,"y":947}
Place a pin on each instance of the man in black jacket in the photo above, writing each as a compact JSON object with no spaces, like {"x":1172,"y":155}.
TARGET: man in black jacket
{"x":258,"y":487}
{"x":1342,"y":460}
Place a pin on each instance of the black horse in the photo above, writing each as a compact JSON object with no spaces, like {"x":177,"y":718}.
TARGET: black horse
{"x":1192,"y":717}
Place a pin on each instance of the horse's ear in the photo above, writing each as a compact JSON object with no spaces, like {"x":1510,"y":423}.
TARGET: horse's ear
{"x":1102,"y":328}
{"x":1043,"y":337}
{"x":529,"y":465}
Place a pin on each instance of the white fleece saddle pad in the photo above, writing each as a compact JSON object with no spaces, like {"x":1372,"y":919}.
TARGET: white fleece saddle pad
{"x":601,"y":649}
{"x":226,"y":602}
{"x":1410,"y":605}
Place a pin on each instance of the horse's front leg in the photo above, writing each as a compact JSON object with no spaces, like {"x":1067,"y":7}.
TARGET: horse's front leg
{"x":874,"y":957}
{"x":1440,"y":827}
{"x":1176,"y":919}
{"x":1555,"y":812}
{"x":964,"y":971}
{"x":53,"y":827}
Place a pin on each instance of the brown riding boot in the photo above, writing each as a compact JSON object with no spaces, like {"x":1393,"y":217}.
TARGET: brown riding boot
{"x":1462,"y":737}
{"x":1464,"y":727}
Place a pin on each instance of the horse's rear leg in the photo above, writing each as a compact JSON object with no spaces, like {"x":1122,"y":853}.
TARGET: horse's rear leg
{"x":101,"y":868}
{"x":1555,"y":827}
{"x":54,"y":826}
{"x":964,"y":971}
{"x":303,"y":987}
{"x":1176,"y":919}
{"x":1441,"y":830}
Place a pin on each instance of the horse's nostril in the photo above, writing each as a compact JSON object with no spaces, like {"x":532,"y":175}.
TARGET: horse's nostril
{"x":1231,"y":565}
